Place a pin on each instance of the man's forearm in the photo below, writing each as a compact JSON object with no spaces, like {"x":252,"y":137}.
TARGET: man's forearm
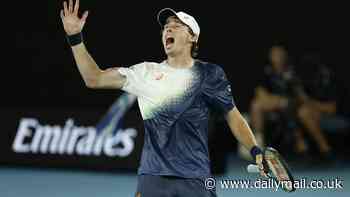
{"x":240,"y":129}
{"x":87,"y":66}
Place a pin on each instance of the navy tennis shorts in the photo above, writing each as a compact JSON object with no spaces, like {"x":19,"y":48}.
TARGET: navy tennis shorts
{"x":170,"y":186}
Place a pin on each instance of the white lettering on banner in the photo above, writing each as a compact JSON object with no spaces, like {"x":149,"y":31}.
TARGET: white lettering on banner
{"x":23,"y":132}
{"x":34,"y":138}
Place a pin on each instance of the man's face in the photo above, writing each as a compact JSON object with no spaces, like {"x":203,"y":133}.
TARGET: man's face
{"x":176,"y":36}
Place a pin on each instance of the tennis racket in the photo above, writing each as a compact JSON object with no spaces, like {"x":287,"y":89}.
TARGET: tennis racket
{"x":275,"y":168}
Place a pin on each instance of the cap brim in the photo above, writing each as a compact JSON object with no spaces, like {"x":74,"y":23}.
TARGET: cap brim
{"x":164,"y":14}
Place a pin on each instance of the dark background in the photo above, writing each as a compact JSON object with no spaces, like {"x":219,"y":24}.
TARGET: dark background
{"x":42,"y":73}
{"x":39,"y":78}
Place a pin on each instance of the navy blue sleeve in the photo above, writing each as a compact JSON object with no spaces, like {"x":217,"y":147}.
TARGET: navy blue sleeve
{"x":217,"y":90}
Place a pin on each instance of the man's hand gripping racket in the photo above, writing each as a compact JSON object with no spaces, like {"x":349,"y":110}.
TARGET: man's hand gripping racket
{"x":271,"y":164}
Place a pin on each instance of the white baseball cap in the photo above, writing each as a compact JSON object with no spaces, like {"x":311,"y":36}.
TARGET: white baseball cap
{"x":189,"y":20}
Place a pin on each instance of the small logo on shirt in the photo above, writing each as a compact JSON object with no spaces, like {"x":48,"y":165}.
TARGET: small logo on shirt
{"x":159,"y":76}
{"x":229,"y":88}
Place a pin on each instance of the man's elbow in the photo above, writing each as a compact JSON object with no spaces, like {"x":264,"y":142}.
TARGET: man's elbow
{"x":91,"y":83}
{"x":97,"y":83}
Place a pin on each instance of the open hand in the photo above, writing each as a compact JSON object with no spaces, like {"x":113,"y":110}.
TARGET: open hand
{"x":71,"y":22}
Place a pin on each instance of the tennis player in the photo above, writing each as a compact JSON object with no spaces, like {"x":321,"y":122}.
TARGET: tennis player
{"x":174,"y":98}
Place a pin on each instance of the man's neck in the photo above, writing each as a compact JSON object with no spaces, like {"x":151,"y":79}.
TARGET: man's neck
{"x":180,"y":61}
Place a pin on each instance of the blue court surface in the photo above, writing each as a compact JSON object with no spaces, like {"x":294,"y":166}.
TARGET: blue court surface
{"x":34,"y":182}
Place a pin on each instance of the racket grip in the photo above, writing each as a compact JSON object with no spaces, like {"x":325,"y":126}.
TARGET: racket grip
{"x":251,"y":168}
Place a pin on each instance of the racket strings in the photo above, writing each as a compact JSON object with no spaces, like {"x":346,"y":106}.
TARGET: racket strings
{"x":279,"y":171}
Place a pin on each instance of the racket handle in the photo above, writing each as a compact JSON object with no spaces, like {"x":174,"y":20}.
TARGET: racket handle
{"x":251,"y":168}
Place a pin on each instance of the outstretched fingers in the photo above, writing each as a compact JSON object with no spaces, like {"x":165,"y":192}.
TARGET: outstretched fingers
{"x":85,"y":15}
{"x":65,"y":8}
{"x":76,"y":7}
{"x":70,"y":6}
{"x":62,"y":14}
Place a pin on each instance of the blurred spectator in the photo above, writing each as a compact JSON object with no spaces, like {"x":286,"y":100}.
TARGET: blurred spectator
{"x":317,"y":112}
{"x":274,"y":100}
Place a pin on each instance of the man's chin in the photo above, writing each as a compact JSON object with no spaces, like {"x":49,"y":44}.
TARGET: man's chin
{"x":169,"y":52}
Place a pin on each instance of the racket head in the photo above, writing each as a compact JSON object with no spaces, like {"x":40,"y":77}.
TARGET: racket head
{"x":278,"y":169}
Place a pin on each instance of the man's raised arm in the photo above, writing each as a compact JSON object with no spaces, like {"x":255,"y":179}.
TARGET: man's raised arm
{"x":93,"y":76}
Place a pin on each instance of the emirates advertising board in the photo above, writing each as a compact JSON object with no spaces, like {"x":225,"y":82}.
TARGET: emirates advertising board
{"x":79,"y":139}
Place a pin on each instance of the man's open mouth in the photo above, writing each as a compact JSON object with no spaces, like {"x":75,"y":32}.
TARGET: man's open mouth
{"x":169,"y":41}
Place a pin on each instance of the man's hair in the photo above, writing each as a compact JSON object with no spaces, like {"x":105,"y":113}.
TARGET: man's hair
{"x":195,"y":46}
{"x":194,"y":49}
